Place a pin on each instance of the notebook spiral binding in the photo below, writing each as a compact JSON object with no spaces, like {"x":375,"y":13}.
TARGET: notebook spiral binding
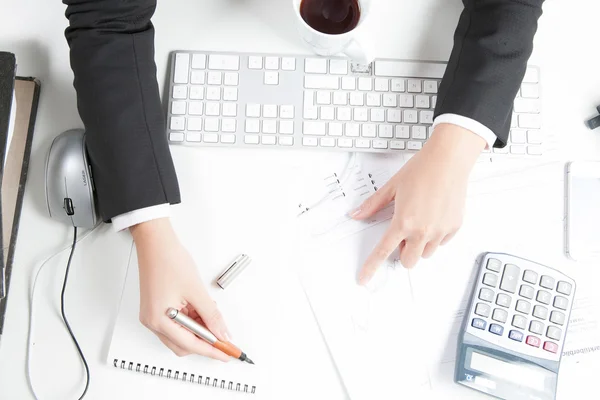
{"x":184,"y":376}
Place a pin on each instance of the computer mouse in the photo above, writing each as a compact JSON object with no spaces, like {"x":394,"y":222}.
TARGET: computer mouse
{"x":69,"y":185}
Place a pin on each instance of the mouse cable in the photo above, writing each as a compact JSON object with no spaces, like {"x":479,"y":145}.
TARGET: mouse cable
{"x":31,"y":310}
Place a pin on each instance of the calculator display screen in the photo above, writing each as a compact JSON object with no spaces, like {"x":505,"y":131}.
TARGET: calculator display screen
{"x":521,"y":374}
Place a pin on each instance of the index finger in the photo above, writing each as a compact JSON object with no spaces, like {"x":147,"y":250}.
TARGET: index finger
{"x":386,"y":246}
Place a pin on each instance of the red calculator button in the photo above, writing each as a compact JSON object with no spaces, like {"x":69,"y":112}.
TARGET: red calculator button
{"x":551,"y":347}
{"x":533,"y":341}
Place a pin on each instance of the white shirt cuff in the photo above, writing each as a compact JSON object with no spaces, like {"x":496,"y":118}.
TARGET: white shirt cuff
{"x":467,"y":123}
{"x":135,"y":217}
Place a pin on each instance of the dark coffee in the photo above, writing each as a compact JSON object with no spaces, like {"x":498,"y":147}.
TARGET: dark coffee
{"x":331,"y":16}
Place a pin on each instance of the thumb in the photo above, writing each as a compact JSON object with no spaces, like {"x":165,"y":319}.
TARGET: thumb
{"x":373,"y":204}
{"x":211,"y":316}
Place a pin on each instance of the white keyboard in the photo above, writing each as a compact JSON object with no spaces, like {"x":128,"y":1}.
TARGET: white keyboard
{"x":287,"y":101}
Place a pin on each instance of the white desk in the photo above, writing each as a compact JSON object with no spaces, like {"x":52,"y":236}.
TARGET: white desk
{"x":565,"y":49}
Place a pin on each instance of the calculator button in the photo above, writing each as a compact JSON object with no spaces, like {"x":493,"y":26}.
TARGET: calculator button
{"x":547,"y":282}
{"x":494,"y":265}
{"x":557,"y":318}
{"x":490,"y":279}
{"x":561,"y":302}
{"x":482,"y":309}
{"x":486,"y":294}
{"x":536,"y":327}
{"x":499,"y":315}
{"x":543,"y":297}
{"x":533,"y":341}
{"x":496,"y":329}
{"x":516,"y":335}
{"x":563,"y":287}
{"x":519,"y":321}
{"x":551,"y":347}
{"x":540,"y":312}
{"x":510,"y":277}
{"x":554,"y":332}
{"x":530,"y":276}
{"x":523,"y":306}
{"x":526,"y":291}
{"x":478,"y":323}
{"x":503,"y":300}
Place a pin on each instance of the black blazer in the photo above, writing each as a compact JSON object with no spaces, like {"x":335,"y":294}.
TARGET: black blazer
{"x":112,"y":57}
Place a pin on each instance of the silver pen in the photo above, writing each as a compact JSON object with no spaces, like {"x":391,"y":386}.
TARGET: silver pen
{"x":206,"y":335}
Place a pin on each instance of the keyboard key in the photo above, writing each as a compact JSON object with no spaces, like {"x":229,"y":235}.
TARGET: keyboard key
{"x":213,"y":93}
{"x":534,"y":150}
{"x":213,"y":108}
{"x":494,"y":265}
{"x":533,"y":341}
{"x":231,"y":79}
{"x":252,"y":126}
{"x":338,"y":67}
{"x":253,"y":110}
{"x":426,"y":117}
{"x":271,"y":78}
{"x":211,"y":138}
{"x":340,"y":98}
{"x":389,"y":100}
{"x":486,"y":294}
{"x":286,"y":127}
{"x":526,"y":291}
{"x":547,"y":282}
{"x":554,"y":333}
{"x":534,"y":136}
{"x":360,"y":114}
{"x":315,"y":66}
{"x":334,"y":129}
{"x":344,"y":142}
{"x":563,"y":287}
{"x":519,"y":321}
{"x":357,"y":99}
{"x":529,"y":90}
{"x":270,"y":111}
{"x":536,"y":327}
{"x":530,"y":276}
{"x":430,"y":132}
{"x":286,"y":140}
{"x":288,"y":64}
{"x":380,"y":144}
{"x":377,"y":115}
{"x":382,"y":84}
{"x":348,"y":83}
{"x":516,"y":335}
{"x":517,"y":150}
{"x":414,"y":86}
{"x":414,"y":145}
{"x":430,"y":87}
{"x":199,"y":61}
{"x":490,"y":279}
{"x":561,"y":303}
{"x":251,"y":139}
{"x":226,"y":62}
{"x":543,"y":297}
{"x":410,"y":116}
{"x":328,"y":113}
{"x":531,"y":75}
{"x":406,"y":68}
{"x":214,"y":78}
{"x":194,"y":124}
{"x":272,"y":62}
{"x":182,"y":65}
{"x":230,"y":110}
{"x":179,"y":92}
{"x":397,"y":144}
{"x":268,"y":139}
{"x":344,"y":114}
{"x":540,"y":312}
{"x":176,"y":137}
{"x":373,"y":99}
{"x":510,"y":278}
{"x":227,"y":137}
{"x":518,"y":136}
{"x":255,"y":62}
{"x":394,"y":116}
{"x":177,"y":123}
{"x":478,"y":323}
{"x":313,"y":128}
{"x":533,"y":121}
{"x":503,"y":300}
{"x":286,"y":112}
{"x":178,"y":107}
{"x":369,"y":130}
{"x":419,"y":132}
{"x":496,"y":329}
{"x":402,"y":132}
{"x":363,"y":143}
{"x":558,"y":318}
{"x":365,"y":84}
{"x":323,"y":97}
{"x":196,"y":93}
{"x":499,"y":315}
{"x":269,"y":126}
{"x":386,"y":131}
{"x":551,"y":347}
{"x":309,"y":141}
{"x":322,"y":82}
{"x":523,"y":306}
{"x":422,"y":101}
{"x":211,"y":125}
{"x":193,"y":137}
{"x":433,"y":101}
{"x":352,"y":129}
{"x":407,"y":100}
{"x":327,"y":142}
{"x":398,"y":85}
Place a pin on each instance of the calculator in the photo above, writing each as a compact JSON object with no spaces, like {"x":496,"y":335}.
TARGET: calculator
{"x":514,"y":329}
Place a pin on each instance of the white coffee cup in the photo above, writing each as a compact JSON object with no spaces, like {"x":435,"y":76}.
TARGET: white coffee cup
{"x":328,"y":45}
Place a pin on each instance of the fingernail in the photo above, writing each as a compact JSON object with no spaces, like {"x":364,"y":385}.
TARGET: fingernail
{"x":354,"y":212}
{"x":363,"y":279}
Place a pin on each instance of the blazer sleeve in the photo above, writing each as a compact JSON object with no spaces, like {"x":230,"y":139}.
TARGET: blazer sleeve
{"x":112,"y":56}
{"x":492,"y":44}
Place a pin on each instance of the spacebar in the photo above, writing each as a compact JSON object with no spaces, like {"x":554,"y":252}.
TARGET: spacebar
{"x":410,"y":69}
